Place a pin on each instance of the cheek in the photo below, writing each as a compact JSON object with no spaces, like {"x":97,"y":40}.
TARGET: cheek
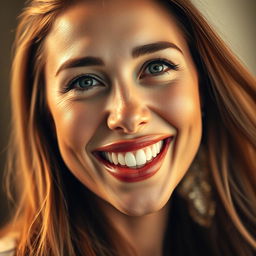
{"x":71,"y":126}
{"x":182,"y":106}
{"x":182,"y":111}
{"x":75,"y":124}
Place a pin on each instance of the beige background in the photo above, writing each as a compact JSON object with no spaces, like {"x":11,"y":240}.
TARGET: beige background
{"x":234,"y":19}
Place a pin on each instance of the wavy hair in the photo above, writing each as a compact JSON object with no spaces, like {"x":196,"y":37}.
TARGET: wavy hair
{"x":49,"y":219}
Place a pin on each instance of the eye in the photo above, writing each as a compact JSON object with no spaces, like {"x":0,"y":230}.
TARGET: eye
{"x":83,"y":83}
{"x":157,"y":67}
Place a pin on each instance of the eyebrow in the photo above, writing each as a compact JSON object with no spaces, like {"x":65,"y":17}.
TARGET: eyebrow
{"x":136,"y":52}
{"x":80,"y":62}
{"x":151,"y":48}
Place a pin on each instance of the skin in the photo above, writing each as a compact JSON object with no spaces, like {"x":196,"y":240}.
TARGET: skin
{"x":124,"y":104}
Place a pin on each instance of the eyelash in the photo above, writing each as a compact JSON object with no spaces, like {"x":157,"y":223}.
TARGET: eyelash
{"x":171,"y":66}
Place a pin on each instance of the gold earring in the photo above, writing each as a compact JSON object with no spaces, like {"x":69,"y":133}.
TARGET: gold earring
{"x":196,"y":189}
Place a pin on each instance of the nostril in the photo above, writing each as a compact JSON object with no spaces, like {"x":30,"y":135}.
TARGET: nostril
{"x":118,"y":128}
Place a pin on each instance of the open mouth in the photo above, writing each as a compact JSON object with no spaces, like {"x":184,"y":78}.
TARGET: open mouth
{"x":134,"y":159}
{"x":135,"y":165}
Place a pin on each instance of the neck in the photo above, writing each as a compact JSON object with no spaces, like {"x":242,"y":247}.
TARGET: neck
{"x":144,"y":233}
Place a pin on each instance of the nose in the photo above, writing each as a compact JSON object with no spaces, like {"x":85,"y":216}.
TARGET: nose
{"x":128,"y":114}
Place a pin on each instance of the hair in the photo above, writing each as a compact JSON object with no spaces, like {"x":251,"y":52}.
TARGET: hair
{"x":49,"y":219}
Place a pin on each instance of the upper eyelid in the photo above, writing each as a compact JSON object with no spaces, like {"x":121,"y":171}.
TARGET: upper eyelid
{"x":162,"y":60}
{"x":69,"y":84}
{"x":73,"y":80}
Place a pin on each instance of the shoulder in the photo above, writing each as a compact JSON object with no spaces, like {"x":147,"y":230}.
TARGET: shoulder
{"x":7,"y":244}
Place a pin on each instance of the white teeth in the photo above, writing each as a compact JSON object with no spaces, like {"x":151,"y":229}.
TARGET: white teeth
{"x":130,"y":159}
{"x":136,"y":158}
{"x":114,"y":158}
{"x":109,"y":157}
{"x":140,"y":157}
{"x":153,"y":148}
{"x":148,"y":154}
{"x":121,"y":159}
{"x":157,"y":147}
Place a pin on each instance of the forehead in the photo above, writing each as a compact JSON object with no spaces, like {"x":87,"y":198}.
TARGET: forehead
{"x":111,"y":28}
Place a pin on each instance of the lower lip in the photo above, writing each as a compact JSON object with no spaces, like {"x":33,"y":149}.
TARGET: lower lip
{"x":134,"y":175}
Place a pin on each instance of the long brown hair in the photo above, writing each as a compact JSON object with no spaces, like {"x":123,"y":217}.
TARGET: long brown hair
{"x":50,"y":221}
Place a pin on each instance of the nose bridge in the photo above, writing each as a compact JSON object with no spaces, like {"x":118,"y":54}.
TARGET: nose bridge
{"x":122,"y":92}
{"x":128,"y":111}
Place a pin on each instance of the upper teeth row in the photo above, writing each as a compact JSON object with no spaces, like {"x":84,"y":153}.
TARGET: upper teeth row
{"x":135,"y":158}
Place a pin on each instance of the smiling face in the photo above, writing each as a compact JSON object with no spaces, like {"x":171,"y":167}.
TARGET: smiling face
{"x":122,"y":88}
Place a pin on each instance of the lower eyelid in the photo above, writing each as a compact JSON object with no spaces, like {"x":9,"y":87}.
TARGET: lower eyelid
{"x":157,"y":75}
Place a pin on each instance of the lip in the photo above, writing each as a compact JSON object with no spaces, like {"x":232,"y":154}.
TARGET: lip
{"x":135,"y":174}
{"x":132,"y":144}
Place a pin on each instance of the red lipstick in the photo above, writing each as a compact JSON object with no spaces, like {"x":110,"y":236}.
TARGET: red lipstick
{"x":126,"y":174}
{"x":131,"y":145}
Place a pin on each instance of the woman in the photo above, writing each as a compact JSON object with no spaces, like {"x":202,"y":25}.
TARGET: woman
{"x":110,"y":109}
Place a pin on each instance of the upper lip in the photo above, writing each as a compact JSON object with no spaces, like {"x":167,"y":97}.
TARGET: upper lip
{"x":132,"y":144}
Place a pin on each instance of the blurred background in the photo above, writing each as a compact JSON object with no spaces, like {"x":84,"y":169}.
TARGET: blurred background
{"x":9,"y":10}
{"x":234,"y":20}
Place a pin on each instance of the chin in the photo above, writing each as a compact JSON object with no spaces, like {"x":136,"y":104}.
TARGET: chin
{"x":141,"y":209}
{"x":137,"y":212}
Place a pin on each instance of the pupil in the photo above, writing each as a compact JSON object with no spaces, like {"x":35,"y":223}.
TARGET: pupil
{"x":155,"y":68}
{"x":86,"y":82}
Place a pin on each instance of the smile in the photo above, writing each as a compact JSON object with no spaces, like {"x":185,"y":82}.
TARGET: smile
{"x":133,"y":160}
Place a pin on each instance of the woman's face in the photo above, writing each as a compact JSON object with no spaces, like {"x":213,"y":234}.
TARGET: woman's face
{"x":122,"y":88}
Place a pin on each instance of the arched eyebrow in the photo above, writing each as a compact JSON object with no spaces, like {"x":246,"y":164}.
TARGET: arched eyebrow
{"x":80,"y":62}
{"x":154,"y":47}
{"x":136,"y":52}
